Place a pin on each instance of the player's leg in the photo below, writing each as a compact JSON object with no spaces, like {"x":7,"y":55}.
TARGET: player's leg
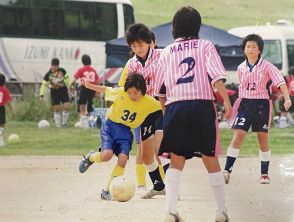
{"x":233,"y":152}
{"x":2,"y":124}
{"x":240,"y":125}
{"x":55,"y":102}
{"x":118,"y":170}
{"x":152,"y":166}
{"x":82,"y":101}
{"x":172,"y":183}
{"x":264,"y":156}
{"x":162,"y":160}
{"x":107,"y":143}
{"x":140,"y":167}
{"x":217,"y":182}
{"x":148,"y":148}
{"x":65,"y":114}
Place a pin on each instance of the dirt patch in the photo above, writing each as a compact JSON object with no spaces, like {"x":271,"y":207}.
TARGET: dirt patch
{"x":45,"y":189}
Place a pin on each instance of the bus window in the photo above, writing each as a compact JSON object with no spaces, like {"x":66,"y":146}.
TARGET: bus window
{"x":16,"y":20}
{"x":290,"y":51}
{"x":272,"y":52}
{"x":128,"y":15}
{"x":105,"y":21}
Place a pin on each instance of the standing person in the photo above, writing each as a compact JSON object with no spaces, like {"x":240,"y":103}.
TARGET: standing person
{"x":5,"y":99}
{"x":58,"y":81}
{"x":253,"y":107}
{"x":140,"y":40}
{"x":140,"y":167}
{"x":131,"y":107}
{"x":86,"y":95}
{"x":189,"y":69}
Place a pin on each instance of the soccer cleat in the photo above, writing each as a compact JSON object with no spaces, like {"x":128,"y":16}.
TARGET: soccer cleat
{"x":170,"y":217}
{"x":85,"y":162}
{"x":153,"y":193}
{"x":227,"y":176}
{"x":264,"y":179}
{"x":221,"y":216}
{"x":105,"y":195}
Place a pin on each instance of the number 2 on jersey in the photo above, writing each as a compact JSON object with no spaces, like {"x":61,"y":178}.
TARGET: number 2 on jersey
{"x":191,"y":63}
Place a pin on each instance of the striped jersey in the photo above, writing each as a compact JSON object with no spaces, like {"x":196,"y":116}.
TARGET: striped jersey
{"x":147,"y":69}
{"x":254,"y":80}
{"x":188,"y":68}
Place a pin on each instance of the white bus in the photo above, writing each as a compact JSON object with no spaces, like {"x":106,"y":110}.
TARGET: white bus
{"x":278,"y":43}
{"x":32,"y":32}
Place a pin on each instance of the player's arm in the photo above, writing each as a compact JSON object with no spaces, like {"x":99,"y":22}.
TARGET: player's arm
{"x":287,"y":103}
{"x":123,"y":77}
{"x":97,"y":88}
{"x":219,"y":85}
{"x":43,"y":88}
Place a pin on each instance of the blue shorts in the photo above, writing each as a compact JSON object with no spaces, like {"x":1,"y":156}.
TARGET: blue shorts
{"x":254,"y":113}
{"x":189,"y":128}
{"x":137,"y":132}
{"x":116,"y":137}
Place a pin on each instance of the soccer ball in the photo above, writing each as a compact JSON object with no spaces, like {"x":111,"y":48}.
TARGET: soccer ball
{"x":122,"y":189}
{"x":43,"y":124}
{"x":13,"y":138}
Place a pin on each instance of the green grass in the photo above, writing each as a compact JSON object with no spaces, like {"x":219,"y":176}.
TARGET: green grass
{"x":72,"y":141}
{"x":223,"y":14}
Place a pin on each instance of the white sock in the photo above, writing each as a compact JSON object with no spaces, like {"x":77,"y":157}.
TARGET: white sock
{"x":217,"y":183}
{"x":57,"y":119}
{"x":152,"y":167}
{"x":65,"y":116}
{"x":164,"y":160}
{"x":172,"y":186}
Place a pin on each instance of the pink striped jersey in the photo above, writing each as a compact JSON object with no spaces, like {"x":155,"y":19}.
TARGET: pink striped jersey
{"x":148,"y":70}
{"x":188,"y":68}
{"x":254,"y":81}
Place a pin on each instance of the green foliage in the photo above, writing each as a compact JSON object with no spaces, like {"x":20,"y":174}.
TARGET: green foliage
{"x":32,"y":109}
{"x":223,"y":14}
{"x":73,"y":141}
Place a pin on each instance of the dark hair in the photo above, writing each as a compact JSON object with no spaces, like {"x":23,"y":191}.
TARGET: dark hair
{"x":291,"y":71}
{"x":136,"y":80}
{"x":86,"y":60}
{"x":186,"y":23}
{"x":253,"y":38}
{"x":55,"y":62}
{"x":137,"y":32}
{"x":2,"y":79}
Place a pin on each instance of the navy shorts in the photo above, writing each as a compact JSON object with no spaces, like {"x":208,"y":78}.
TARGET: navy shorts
{"x":2,"y":115}
{"x":116,"y":137}
{"x":59,"y":96}
{"x":86,"y":96}
{"x":254,"y":113}
{"x":190,"y":127}
{"x":151,"y":124}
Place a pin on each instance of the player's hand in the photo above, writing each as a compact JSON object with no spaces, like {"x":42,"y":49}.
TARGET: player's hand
{"x":85,"y":82}
{"x":228,"y":110}
{"x":287,"y":104}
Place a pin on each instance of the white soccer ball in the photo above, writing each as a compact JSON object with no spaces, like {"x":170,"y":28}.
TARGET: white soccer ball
{"x":13,"y":138}
{"x":122,"y":189}
{"x":43,"y":124}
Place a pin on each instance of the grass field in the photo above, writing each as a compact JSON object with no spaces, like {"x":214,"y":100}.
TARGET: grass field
{"x":219,"y":13}
{"x":72,"y":141}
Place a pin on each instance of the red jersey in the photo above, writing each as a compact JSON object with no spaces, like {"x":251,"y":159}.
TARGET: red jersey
{"x":89,"y":73}
{"x":290,"y":85}
{"x":4,"y":96}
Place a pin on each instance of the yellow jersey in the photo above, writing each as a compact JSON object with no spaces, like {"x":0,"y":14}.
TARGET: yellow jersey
{"x":123,"y":77}
{"x":127,"y":112}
